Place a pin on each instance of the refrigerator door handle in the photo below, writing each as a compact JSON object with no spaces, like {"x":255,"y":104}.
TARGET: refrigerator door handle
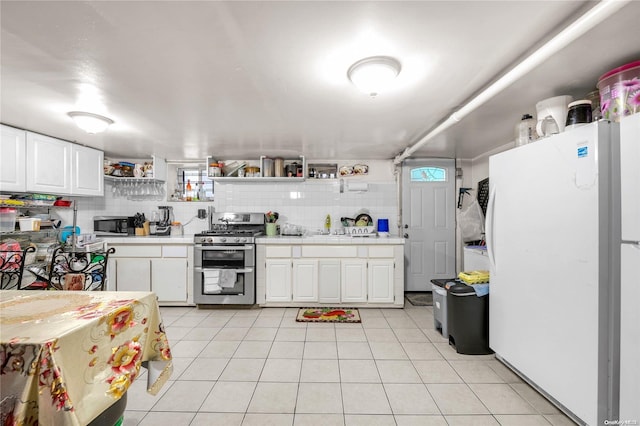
{"x":489,"y":227}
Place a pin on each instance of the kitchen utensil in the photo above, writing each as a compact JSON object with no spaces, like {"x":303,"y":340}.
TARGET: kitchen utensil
{"x":548,"y":126}
{"x":278,"y":166}
{"x":347,"y":221}
{"x":364,"y":220}
{"x":556,"y":108}
{"x":579,"y":113}
{"x":267,"y":167}
{"x":291,"y":170}
{"x":7,"y":219}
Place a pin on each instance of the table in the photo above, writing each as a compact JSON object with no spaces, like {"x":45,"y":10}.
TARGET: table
{"x":66,"y":356}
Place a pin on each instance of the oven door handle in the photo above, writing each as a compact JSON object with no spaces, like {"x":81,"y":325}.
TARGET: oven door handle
{"x":223,"y":248}
{"x":238,"y":271}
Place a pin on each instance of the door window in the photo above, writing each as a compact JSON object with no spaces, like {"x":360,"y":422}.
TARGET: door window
{"x":428,"y":174}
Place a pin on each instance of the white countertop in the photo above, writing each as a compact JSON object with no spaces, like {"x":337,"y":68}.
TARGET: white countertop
{"x":316,"y":239}
{"x":150,"y":239}
{"x":329,"y":239}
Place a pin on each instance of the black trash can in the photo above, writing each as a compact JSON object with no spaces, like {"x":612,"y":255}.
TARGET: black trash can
{"x":468,"y":320}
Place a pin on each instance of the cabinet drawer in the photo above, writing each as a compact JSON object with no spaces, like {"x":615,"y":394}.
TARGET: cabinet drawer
{"x":380,"y":251}
{"x":137,"y":251}
{"x":330,"y":251}
{"x":174,"y":251}
{"x":278,"y":251}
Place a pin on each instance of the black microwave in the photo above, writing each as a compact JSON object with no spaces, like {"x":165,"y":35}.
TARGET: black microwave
{"x":113,"y":225}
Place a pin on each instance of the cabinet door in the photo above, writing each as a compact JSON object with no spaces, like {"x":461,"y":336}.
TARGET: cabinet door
{"x":133,"y":274}
{"x":380,"y":281}
{"x":305,"y":280}
{"x":48,"y":164}
{"x":354,"y":280}
{"x":278,"y":280}
{"x":169,"y":279}
{"x":329,"y":281}
{"x":87,"y":176}
{"x":13,"y":148}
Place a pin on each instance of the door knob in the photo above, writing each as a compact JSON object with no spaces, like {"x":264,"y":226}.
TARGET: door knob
{"x":406,"y":226}
{"x":406,"y":235}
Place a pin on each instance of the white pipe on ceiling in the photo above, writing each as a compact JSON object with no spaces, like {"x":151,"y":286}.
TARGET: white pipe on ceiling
{"x":589,"y":20}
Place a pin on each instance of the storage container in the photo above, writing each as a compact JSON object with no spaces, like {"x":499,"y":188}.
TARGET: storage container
{"x":620,"y":91}
{"x":7,"y":219}
{"x":468,"y":320}
{"x":29,"y":223}
{"x":439,"y":293}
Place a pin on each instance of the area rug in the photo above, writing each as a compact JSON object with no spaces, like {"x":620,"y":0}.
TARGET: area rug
{"x":328,"y":315}
{"x":420,"y":299}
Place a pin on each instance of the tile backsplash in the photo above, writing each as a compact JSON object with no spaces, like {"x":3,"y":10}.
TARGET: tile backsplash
{"x":305,"y":203}
{"x":308,"y":203}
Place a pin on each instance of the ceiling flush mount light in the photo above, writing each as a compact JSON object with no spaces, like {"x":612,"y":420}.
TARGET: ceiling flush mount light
{"x":90,"y":123}
{"x":374,"y":74}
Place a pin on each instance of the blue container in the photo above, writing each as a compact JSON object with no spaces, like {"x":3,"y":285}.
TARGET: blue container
{"x":383,"y":225}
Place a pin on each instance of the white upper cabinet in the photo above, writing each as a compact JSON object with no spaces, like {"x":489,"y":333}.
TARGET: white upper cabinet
{"x":48,"y":164}
{"x":13,"y":146}
{"x":87,"y":176}
{"x":31,"y":162}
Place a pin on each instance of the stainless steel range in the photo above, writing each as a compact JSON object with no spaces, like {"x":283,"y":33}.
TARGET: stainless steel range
{"x":225,"y":258}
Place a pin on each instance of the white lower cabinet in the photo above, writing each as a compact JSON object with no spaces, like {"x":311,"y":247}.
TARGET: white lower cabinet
{"x":163,"y":269}
{"x":329,"y":281}
{"x":132,"y":274}
{"x":361,"y":275}
{"x":354,"y":281}
{"x":278,"y":280}
{"x":380,"y":281}
{"x":305,"y":280}
{"x":169,"y":279}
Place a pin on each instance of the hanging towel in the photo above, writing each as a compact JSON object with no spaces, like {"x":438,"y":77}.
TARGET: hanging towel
{"x":211,"y":281}
{"x":212,"y":289}
{"x":228,"y":278}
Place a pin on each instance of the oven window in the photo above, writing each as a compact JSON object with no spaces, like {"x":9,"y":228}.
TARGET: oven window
{"x":223,"y":258}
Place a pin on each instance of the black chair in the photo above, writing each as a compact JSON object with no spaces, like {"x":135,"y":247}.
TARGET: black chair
{"x":78,"y":270}
{"x":11,"y":268}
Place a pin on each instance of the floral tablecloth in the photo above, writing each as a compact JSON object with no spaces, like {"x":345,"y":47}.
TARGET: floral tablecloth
{"x":66,"y":356}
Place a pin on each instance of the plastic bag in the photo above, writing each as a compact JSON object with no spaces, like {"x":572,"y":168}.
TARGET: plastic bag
{"x":471,"y":222}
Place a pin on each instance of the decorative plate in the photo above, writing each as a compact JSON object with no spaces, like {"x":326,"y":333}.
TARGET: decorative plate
{"x":346,"y":171}
{"x":361,"y":169}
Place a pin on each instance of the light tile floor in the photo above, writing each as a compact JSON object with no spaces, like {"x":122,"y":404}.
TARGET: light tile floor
{"x":261,"y":367}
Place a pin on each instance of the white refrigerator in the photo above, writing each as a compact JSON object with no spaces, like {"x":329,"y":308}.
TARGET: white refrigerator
{"x":553,"y":237}
{"x":630,"y":263}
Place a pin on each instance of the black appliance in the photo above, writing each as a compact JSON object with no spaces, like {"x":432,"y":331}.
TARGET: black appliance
{"x":114,"y":226}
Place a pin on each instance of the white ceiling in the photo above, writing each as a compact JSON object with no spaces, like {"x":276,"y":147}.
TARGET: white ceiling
{"x":183,"y":80}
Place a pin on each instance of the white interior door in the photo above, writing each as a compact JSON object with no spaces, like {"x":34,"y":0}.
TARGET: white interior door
{"x":428,"y":221}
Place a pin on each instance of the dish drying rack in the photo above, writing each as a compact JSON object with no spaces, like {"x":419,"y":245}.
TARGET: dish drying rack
{"x":360,"y":231}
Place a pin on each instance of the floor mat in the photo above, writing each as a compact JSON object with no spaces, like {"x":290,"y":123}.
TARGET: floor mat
{"x":328,"y":315}
{"x":420,"y":299}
